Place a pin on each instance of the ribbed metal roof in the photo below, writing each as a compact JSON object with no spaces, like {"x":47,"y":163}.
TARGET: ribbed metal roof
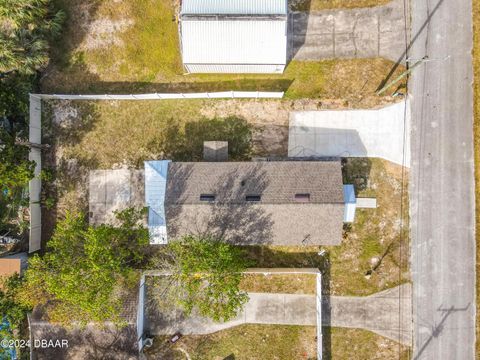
{"x":234,"y":42}
{"x":237,"y":7}
{"x":155,"y":186}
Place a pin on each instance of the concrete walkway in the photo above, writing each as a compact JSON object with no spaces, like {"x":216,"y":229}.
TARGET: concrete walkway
{"x":354,"y":33}
{"x":378,"y":313}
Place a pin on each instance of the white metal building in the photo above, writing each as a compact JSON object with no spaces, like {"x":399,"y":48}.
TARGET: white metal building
{"x":234,"y":36}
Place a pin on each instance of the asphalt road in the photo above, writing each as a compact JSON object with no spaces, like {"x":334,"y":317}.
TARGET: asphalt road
{"x":442,"y":181}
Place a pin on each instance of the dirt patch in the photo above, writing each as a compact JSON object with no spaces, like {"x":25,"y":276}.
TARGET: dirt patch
{"x":103,"y":33}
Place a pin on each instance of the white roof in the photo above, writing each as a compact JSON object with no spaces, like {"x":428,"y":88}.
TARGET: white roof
{"x":234,"y":42}
{"x":155,"y":186}
{"x":237,"y":7}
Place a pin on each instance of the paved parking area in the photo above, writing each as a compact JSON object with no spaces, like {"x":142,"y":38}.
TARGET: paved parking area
{"x":354,"y":33}
{"x":383,"y":133}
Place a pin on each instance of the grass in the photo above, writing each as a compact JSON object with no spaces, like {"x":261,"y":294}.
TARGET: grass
{"x":105,"y":134}
{"x":313,"y":5}
{"x":249,"y":342}
{"x":279,"y":342}
{"x":280,"y":283}
{"x":143,"y":55}
{"x":476,"y":133}
{"x":359,"y":344}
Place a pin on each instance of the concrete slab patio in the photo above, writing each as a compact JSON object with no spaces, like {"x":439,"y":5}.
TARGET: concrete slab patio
{"x":354,"y":33}
{"x":114,"y":190}
{"x":387,"y":313}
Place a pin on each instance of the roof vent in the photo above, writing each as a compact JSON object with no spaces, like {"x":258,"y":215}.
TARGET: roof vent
{"x":207,"y":197}
{"x":255,"y":198}
{"x":304,"y":198}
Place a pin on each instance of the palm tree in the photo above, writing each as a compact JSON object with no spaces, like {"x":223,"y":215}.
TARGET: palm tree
{"x":25,"y":28}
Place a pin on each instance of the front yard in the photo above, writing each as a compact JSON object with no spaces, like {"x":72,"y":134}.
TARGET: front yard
{"x":274,"y":342}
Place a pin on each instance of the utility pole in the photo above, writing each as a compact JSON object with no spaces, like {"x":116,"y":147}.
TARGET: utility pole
{"x":402,"y":75}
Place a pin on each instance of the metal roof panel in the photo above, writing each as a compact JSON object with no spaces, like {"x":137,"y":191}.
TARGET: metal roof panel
{"x":240,"y":7}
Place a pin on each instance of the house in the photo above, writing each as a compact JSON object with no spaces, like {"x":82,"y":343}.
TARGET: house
{"x":278,"y":202}
{"x":234,"y":36}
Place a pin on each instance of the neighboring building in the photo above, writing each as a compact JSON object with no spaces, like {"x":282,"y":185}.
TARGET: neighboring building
{"x":234,"y":36}
{"x":280,"y":203}
{"x":13,"y":264}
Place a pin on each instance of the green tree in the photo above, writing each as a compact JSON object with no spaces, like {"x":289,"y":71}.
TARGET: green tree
{"x":86,"y":270}
{"x":15,"y":168}
{"x":206,"y":275}
{"x":10,"y":307}
{"x":26,"y":26}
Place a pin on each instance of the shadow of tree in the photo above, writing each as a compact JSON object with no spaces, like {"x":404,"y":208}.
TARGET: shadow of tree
{"x":187,"y":144}
{"x":228,"y":218}
{"x":356,"y":171}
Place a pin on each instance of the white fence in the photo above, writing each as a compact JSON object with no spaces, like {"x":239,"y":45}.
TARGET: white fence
{"x":35,"y":136}
{"x":265,"y":271}
{"x":35,"y":185}
{"x":319,"y":317}
{"x":164,"y":96}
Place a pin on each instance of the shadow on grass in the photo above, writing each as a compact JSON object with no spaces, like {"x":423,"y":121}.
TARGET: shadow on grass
{"x":187,"y":144}
{"x":356,"y":171}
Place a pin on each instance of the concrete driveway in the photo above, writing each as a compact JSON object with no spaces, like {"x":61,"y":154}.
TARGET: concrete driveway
{"x":354,"y":33}
{"x":383,"y":133}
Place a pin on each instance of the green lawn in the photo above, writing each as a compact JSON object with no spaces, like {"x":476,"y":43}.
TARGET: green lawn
{"x":314,"y":5}
{"x":280,"y":283}
{"x":278,"y":342}
{"x":129,"y":46}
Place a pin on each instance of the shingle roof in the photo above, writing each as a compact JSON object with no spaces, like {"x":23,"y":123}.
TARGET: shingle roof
{"x":276,"y":219}
{"x":276,"y":182}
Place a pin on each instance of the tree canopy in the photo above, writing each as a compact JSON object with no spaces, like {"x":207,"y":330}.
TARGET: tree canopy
{"x":10,"y":307}
{"x":86,"y":269}
{"x":26,"y":27}
{"x":206,"y":274}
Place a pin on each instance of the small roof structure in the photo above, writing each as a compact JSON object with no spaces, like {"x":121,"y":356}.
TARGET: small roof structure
{"x":350,"y":203}
{"x":215,"y":150}
{"x":281,"y":203}
{"x":234,"y":36}
{"x":155,"y":185}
